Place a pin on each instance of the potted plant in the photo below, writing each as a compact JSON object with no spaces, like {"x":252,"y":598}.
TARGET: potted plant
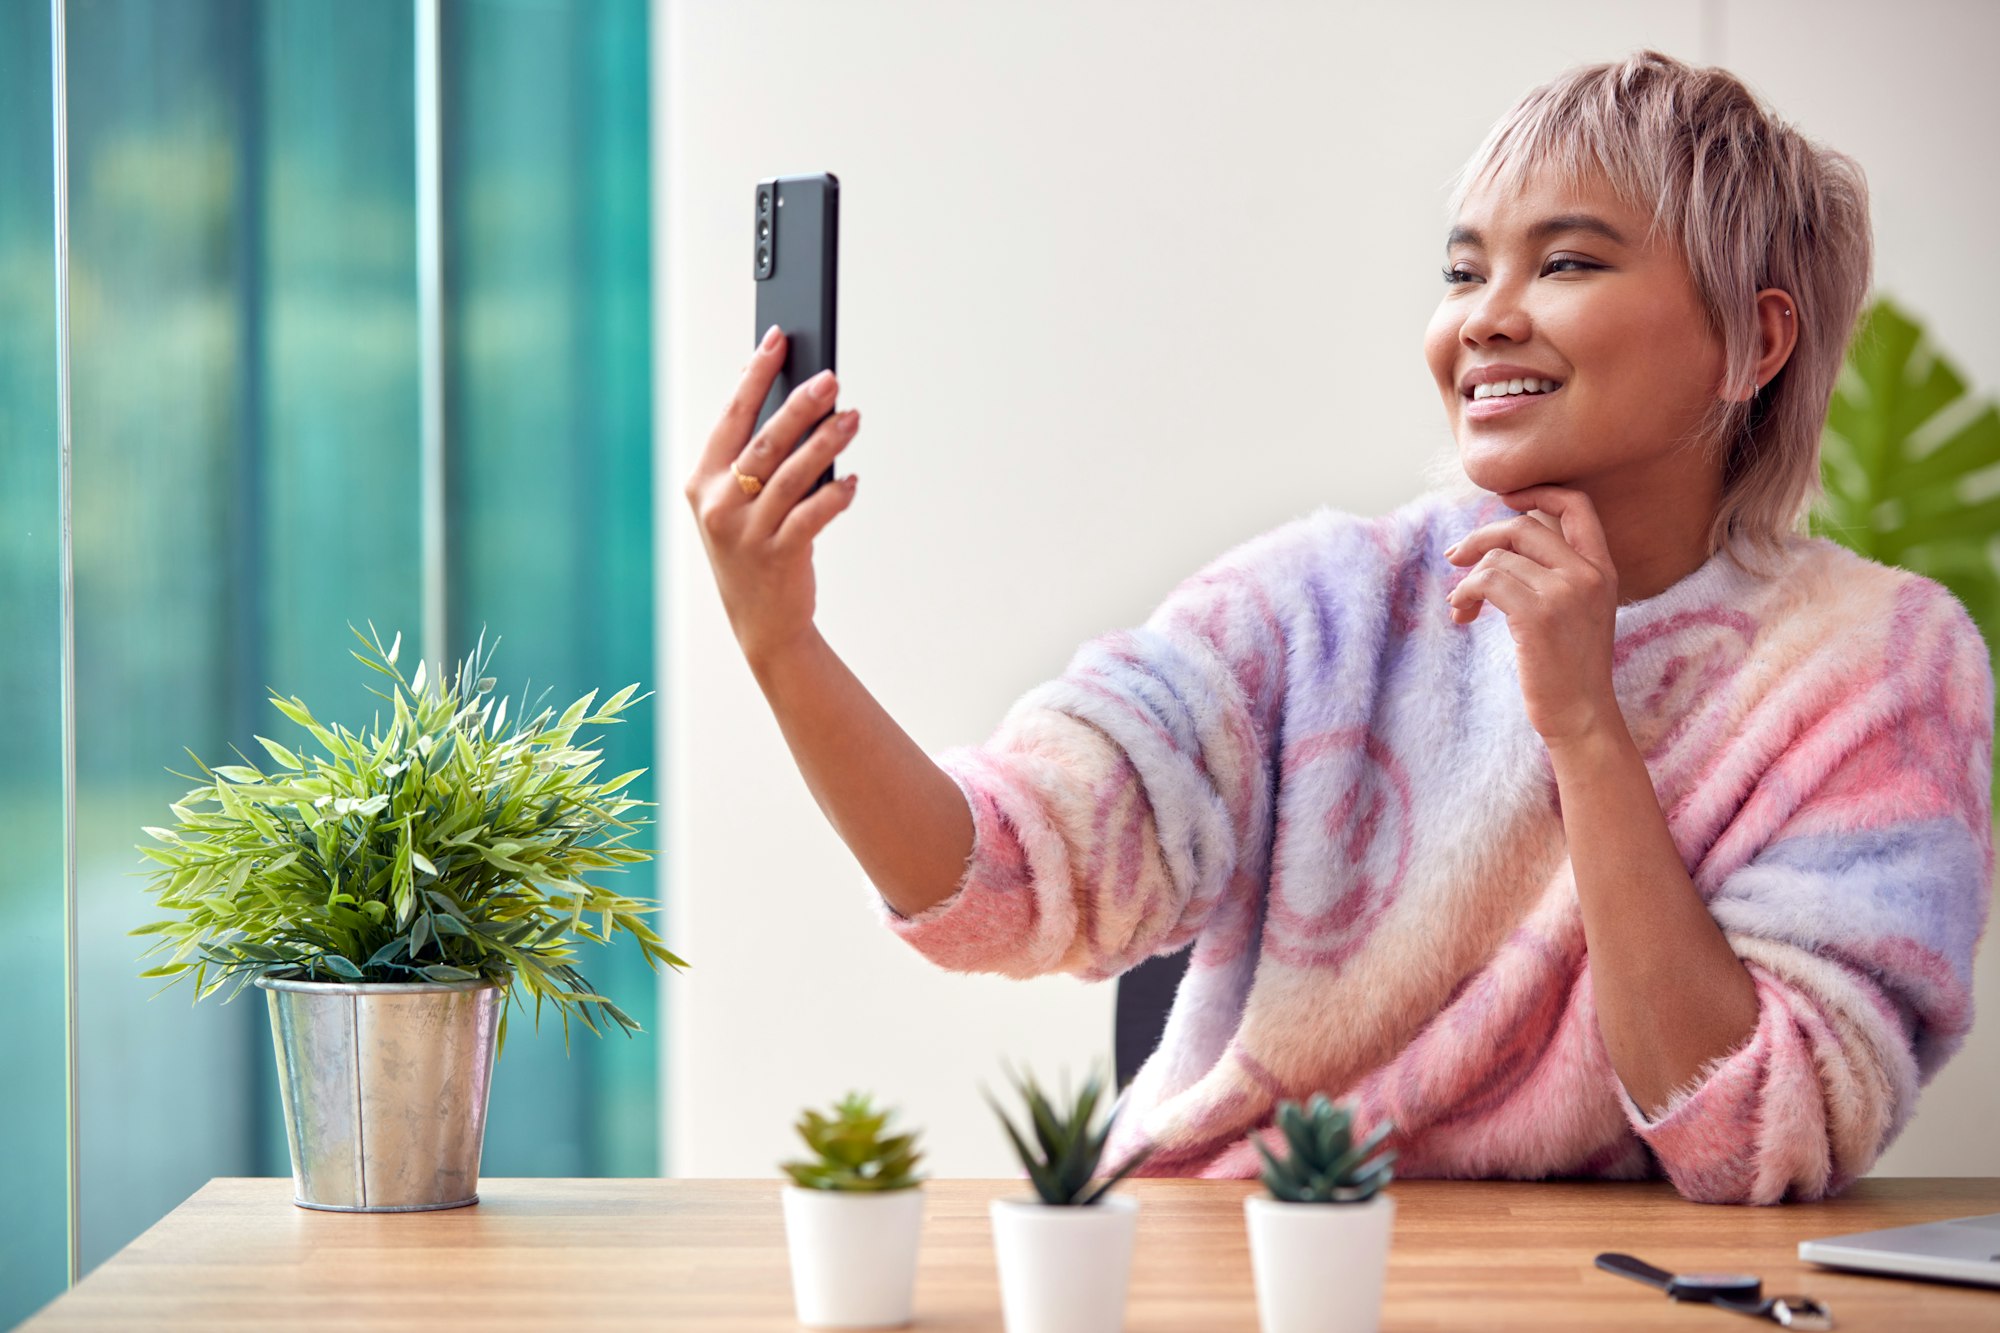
{"x":1065,"y":1257}
{"x":853,"y":1215}
{"x":1319,"y":1244}
{"x":393,"y":895}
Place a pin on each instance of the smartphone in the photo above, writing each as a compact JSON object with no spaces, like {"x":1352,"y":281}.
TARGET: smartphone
{"x":797,"y":267}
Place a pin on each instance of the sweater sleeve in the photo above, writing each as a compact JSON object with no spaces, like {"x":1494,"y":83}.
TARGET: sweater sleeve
{"x":1856,"y":921}
{"x":1116,"y":806}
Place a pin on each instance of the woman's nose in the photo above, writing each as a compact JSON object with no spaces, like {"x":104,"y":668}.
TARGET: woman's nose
{"x":1496,"y":311}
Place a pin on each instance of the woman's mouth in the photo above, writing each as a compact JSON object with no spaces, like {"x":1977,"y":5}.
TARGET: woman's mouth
{"x":1507,"y":404}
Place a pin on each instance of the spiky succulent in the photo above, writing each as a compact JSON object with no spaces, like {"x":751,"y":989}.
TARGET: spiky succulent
{"x":1322,"y":1163}
{"x":1064,"y":1162}
{"x":853,"y":1155}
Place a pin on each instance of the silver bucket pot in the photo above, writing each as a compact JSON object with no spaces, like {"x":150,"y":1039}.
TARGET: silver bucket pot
{"x":385,"y":1090}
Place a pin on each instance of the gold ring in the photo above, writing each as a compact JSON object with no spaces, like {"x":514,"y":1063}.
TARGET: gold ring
{"x":749,"y":483}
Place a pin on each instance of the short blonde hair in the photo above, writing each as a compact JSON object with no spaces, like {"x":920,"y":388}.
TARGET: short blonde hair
{"x":1750,"y":203}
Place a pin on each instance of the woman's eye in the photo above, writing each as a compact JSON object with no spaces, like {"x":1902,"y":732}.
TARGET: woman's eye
{"x":1455,"y":277}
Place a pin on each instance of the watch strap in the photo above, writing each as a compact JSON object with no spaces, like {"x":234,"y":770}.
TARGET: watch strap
{"x":1626,"y":1265}
{"x":1788,"y":1311}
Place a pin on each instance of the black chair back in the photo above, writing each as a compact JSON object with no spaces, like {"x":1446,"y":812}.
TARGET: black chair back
{"x":1145,"y":994}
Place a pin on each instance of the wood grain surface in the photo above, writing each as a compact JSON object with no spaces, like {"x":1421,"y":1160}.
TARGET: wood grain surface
{"x":710,"y":1255}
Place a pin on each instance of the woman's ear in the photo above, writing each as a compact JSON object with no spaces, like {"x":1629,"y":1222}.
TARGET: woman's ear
{"x":1777,"y":335}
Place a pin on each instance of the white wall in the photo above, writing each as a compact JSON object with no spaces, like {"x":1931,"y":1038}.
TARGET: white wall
{"x":1122,"y":284}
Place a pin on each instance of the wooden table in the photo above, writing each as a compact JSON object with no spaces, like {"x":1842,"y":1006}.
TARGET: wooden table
{"x":710,"y":1255}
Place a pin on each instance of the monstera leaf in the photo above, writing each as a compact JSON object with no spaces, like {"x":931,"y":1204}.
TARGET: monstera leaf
{"x":1909,"y":464}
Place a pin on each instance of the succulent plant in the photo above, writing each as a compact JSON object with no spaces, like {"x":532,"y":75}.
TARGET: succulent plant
{"x":1323,"y":1164}
{"x":1070,"y":1150}
{"x":853,"y":1155}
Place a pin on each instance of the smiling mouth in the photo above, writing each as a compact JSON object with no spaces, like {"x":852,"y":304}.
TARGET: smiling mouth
{"x":1503,"y":404}
{"x":1513,"y":389}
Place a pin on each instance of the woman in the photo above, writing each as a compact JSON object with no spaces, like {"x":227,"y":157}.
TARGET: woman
{"x":1588,"y":820}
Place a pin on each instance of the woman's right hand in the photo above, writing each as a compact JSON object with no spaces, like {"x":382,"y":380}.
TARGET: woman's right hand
{"x":903,"y":816}
{"x":760,"y":546}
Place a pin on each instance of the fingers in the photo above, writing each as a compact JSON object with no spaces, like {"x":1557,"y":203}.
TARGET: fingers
{"x":801,"y":411}
{"x":1581,"y":527}
{"x":810,"y":516}
{"x":796,"y":474}
{"x":1505,"y":578}
{"x":1523,"y":534}
{"x":739,"y":416}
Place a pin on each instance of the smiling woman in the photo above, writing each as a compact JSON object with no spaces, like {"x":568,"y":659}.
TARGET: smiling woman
{"x":1673,"y":866}
{"x":1571,"y":282}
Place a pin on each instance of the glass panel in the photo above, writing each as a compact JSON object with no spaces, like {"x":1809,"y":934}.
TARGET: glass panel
{"x":241,"y":187}
{"x":335,"y":508}
{"x":247,"y":479}
{"x":548,"y":417}
{"x":156,"y":433}
{"x":242,"y":201}
{"x":34,"y":1208}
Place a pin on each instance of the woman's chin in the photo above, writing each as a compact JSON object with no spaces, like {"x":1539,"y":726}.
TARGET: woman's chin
{"x":1499,"y":470}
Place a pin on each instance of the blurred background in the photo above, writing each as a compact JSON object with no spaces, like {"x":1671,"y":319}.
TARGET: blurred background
{"x":1123,"y":284}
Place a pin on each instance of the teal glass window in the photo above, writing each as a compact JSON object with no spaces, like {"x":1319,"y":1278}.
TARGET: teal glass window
{"x":247,"y":405}
{"x":33,"y":1110}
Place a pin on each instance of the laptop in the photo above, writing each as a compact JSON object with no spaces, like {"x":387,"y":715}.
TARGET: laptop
{"x":1957,"y":1249}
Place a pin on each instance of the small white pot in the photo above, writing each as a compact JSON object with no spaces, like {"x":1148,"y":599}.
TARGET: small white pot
{"x":854,"y":1255}
{"x":1064,"y":1269}
{"x":1319,"y":1267}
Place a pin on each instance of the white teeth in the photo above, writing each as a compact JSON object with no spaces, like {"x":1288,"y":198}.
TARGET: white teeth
{"x":1503,"y":388}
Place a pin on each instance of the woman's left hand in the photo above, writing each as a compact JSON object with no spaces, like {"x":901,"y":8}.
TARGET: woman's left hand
{"x":1559,"y":592}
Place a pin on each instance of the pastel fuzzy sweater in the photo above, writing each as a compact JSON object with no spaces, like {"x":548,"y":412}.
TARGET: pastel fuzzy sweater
{"x":1303,"y":767}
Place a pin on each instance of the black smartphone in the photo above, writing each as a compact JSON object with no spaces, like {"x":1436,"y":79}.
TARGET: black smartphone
{"x":798,"y":268}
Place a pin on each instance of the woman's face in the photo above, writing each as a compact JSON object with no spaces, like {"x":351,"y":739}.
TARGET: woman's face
{"x":1558,"y":285}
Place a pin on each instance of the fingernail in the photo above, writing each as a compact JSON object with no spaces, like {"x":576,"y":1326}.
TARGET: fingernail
{"x":850,"y":418}
{"x":821,"y":385}
{"x":770,"y":339}
{"x":1451,"y":550}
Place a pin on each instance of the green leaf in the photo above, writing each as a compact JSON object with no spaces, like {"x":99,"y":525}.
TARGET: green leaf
{"x":1911,"y":466}
{"x":444,"y":972}
{"x":281,"y":754}
{"x":337,"y":964}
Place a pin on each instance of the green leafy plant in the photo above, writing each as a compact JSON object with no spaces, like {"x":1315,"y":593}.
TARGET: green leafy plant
{"x":1322,"y":1163}
{"x":1908,"y":463}
{"x":851,"y":1153}
{"x":450,"y":846}
{"x":1067,"y":1152}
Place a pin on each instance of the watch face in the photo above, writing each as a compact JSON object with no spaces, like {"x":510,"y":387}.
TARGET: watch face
{"x":1736,"y":1286}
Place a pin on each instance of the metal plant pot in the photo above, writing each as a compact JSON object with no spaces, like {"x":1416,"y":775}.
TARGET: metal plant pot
{"x":385,"y":1089}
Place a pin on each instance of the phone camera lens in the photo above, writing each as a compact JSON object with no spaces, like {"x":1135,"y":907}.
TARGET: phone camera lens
{"x":763,"y":230}
{"x":763,"y":203}
{"x":764,"y":255}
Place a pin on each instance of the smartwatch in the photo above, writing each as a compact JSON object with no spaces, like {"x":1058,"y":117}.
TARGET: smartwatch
{"x":1739,"y":1293}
